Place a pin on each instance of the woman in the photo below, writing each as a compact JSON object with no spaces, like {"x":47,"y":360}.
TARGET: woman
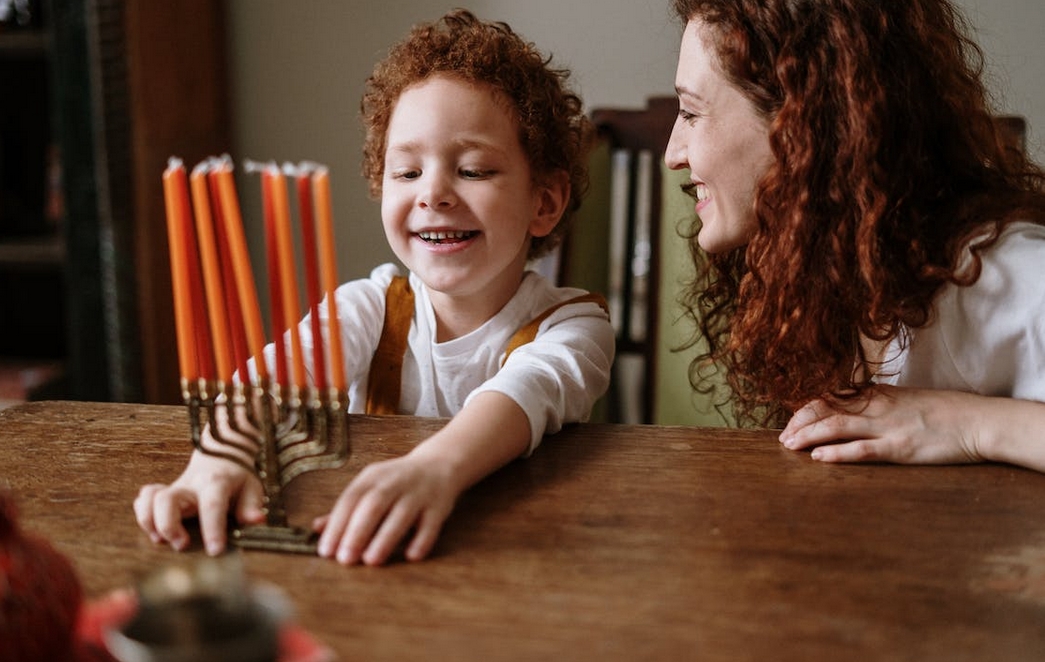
{"x":869,"y":251}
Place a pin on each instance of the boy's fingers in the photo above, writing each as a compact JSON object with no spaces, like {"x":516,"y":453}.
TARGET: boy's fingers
{"x":428,"y":528}
{"x":143,"y":508}
{"x":336,"y":521}
{"x":250,"y":507}
{"x":213,"y":514}
{"x":170,"y":506}
{"x":366,"y":518}
{"x":319,"y":524}
{"x":392,"y":529}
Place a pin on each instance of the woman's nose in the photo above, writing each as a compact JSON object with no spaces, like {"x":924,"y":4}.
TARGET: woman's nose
{"x":675,"y":153}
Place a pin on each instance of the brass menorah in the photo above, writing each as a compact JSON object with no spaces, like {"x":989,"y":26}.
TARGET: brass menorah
{"x":276,"y":427}
{"x":292,"y":435}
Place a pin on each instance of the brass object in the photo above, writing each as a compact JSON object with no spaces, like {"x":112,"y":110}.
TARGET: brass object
{"x":284,"y":432}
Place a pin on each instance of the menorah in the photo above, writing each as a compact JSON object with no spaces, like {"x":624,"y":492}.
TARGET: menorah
{"x":280,"y":425}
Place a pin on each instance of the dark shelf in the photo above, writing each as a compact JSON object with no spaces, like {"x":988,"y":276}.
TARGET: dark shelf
{"x":44,"y":251}
{"x":97,"y":94}
{"x":27,"y":43}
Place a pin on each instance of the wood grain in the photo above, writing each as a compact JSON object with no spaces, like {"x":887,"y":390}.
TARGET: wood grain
{"x":610,"y":543}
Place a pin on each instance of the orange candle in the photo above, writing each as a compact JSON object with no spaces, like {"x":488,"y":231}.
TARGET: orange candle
{"x":279,"y":323}
{"x":234,"y":317}
{"x":245,"y":289}
{"x":175,"y":195}
{"x":228,"y":278}
{"x":328,"y":266}
{"x":288,"y":273}
{"x":211,"y":272}
{"x":308,"y":246}
{"x":204,"y":349}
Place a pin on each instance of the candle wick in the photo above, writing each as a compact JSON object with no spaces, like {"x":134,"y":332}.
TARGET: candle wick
{"x":253,"y":166}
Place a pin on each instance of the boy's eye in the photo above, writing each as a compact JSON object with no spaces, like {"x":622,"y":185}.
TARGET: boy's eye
{"x":405,"y":174}
{"x":475,"y":173}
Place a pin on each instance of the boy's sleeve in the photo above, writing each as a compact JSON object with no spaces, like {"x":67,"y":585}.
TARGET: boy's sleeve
{"x":557,"y":377}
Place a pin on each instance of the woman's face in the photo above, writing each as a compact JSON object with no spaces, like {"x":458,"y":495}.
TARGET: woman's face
{"x":722,"y":140}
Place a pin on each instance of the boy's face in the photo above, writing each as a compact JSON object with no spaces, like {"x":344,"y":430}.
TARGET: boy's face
{"x":458,"y":202}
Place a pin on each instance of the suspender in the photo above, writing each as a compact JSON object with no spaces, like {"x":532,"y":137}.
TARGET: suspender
{"x":382,"y":391}
{"x":529,"y":332}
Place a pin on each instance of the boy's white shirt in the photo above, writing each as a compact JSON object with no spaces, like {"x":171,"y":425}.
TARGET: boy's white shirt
{"x":987,"y":338}
{"x":555,"y":379}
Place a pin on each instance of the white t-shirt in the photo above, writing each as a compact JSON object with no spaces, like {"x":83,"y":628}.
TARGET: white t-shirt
{"x":556,"y":378}
{"x":989,"y":337}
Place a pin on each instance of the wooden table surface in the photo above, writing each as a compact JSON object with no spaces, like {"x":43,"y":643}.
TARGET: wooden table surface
{"x":610,"y":543}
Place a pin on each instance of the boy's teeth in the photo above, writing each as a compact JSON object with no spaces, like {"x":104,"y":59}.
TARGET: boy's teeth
{"x":444,"y":235}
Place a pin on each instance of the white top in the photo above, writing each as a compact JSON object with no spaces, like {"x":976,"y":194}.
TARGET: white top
{"x":987,"y":338}
{"x":556,"y":378}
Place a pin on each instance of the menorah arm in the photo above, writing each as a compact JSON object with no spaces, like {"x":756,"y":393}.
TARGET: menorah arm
{"x":200,"y":428}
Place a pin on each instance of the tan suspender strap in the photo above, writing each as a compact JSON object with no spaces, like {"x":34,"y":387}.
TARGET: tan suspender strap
{"x":529,"y":332}
{"x":386,"y":368}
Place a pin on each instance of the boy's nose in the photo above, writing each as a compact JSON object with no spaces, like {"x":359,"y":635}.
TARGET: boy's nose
{"x":439,"y":194}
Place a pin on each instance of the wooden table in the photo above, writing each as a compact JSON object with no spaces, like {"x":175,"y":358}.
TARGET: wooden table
{"x":610,"y":543}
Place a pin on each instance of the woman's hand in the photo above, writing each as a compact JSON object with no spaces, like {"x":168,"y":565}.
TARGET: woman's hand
{"x":921,"y":426}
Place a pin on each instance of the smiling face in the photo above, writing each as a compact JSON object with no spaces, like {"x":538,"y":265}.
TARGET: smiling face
{"x":722,"y":140}
{"x":458,"y":200}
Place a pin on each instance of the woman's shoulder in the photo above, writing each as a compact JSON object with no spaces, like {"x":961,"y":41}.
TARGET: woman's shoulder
{"x":1010,"y":268}
{"x":994,"y":328}
{"x":1020,"y":238}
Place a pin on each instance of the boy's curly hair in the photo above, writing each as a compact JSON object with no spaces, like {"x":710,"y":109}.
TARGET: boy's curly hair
{"x":554,"y":132}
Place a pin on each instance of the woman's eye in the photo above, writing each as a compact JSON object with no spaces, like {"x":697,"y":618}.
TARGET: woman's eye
{"x":687,"y":116}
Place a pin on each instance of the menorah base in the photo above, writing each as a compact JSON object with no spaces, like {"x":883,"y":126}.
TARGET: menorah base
{"x":276,"y":539}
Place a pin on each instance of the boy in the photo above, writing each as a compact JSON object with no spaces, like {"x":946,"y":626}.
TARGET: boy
{"x":478,"y":153}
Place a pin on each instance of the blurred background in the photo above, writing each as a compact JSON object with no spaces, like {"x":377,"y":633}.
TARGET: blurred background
{"x":95,"y":95}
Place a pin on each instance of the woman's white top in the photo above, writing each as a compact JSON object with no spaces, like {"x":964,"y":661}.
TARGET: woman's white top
{"x":989,"y":337}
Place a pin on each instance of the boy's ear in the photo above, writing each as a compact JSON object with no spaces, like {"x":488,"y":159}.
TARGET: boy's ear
{"x":552,"y":196}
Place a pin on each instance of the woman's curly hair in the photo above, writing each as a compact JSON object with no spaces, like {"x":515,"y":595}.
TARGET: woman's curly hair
{"x":887,"y":163}
{"x":554,"y":132}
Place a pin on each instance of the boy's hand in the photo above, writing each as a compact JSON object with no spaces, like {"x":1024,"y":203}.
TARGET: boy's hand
{"x":417,"y":491}
{"x":380,"y":507}
{"x":207,"y":488}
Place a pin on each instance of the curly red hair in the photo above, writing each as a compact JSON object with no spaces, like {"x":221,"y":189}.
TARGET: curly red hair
{"x":554,"y":132}
{"x":887,"y":163}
